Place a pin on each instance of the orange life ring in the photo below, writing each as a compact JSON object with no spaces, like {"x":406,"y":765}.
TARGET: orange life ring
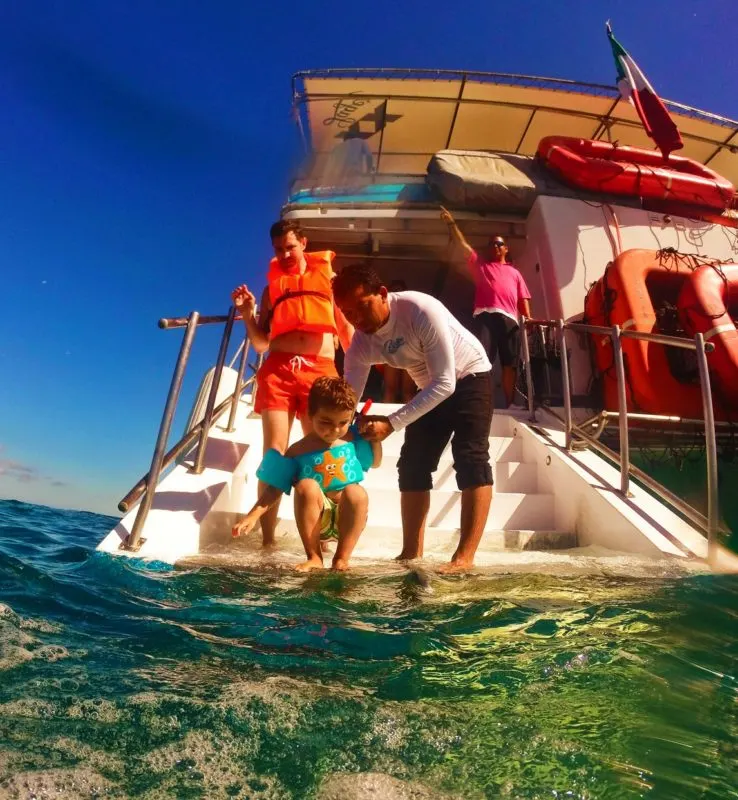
{"x":606,"y":167}
{"x":704,"y":303}
{"x":302,"y":302}
{"x":626,"y":295}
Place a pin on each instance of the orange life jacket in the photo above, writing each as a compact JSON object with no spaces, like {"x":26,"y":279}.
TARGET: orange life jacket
{"x":302,"y":302}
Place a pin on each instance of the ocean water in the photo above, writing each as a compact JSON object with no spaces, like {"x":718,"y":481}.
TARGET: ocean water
{"x":121,"y":679}
{"x":687,"y":478}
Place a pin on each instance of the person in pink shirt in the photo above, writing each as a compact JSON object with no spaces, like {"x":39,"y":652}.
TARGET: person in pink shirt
{"x":500,"y":297}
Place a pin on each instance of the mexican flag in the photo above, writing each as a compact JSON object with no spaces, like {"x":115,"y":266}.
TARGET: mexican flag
{"x":635,"y":87}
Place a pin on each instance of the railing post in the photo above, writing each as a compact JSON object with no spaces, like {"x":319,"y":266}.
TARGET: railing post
{"x":710,"y":449}
{"x":617,"y":354}
{"x":208,"y":417}
{"x":528,"y":373}
{"x":565,"y":381}
{"x":239,"y":386}
{"x":547,"y":372}
{"x":132,"y":541}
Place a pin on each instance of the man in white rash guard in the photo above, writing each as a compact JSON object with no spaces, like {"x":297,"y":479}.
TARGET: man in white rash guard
{"x":416,"y":332}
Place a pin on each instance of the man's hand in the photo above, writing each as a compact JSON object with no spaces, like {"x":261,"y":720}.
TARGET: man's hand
{"x":446,"y":216}
{"x":375,"y":429}
{"x":244,"y":301}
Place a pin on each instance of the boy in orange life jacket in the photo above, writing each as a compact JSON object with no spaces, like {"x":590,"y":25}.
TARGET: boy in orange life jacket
{"x":297,"y":322}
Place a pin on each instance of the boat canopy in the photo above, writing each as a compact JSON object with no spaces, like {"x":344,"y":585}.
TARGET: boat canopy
{"x":398,"y":119}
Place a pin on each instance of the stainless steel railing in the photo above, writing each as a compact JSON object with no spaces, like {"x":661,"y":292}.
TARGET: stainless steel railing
{"x":144,"y":489}
{"x":709,"y":524}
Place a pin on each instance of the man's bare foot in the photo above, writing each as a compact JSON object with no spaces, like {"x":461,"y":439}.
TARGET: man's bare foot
{"x":316,"y":562}
{"x":407,"y":556}
{"x":456,"y":565}
{"x":340,"y":564}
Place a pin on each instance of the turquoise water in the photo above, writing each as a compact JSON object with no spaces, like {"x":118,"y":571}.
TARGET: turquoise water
{"x":688,"y":479}
{"x":125,"y":680}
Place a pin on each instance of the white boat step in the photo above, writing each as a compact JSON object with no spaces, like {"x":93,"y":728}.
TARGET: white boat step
{"x":509,"y":511}
{"x":384,"y":542}
{"x":510,"y":476}
{"x":501,"y":448}
{"x":441,"y":541}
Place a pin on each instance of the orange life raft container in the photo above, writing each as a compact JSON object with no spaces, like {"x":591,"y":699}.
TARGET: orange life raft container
{"x":606,"y":167}
{"x":634,"y":287}
{"x":705,"y":304}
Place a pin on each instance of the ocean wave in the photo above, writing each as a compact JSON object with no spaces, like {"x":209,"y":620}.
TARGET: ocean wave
{"x":123,"y":679}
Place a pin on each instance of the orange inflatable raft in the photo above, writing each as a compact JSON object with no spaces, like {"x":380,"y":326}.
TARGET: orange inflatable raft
{"x":638,"y":292}
{"x":606,"y":167}
{"x":708,"y":304}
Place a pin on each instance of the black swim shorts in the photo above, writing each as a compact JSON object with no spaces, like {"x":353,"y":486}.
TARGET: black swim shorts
{"x":467,"y":416}
{"x":498,"y":333}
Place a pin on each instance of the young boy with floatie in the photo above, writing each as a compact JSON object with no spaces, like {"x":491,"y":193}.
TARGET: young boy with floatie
{"x":325,"y":468}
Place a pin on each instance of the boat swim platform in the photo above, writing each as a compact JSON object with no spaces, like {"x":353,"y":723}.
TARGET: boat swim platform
{"x":553,"y":510}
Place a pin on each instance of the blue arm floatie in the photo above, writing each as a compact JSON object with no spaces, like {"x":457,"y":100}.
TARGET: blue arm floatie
{"x":362,"y":448}
{"x":277,"y":470}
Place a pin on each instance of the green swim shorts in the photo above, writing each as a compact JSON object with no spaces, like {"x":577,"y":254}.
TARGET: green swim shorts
{"x":329,"y":521}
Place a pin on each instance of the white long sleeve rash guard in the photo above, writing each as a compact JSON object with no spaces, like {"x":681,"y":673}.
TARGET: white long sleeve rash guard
{"x":424,"y":338}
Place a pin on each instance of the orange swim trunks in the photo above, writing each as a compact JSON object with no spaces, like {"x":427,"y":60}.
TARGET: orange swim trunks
{"x":284,"y":381}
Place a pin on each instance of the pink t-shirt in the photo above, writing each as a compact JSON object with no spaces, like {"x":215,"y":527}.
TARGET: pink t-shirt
{"x":499,"y":287}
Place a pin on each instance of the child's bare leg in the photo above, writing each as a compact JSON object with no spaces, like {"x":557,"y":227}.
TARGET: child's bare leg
{"x":352,"y":513}
{"x":308,"y":513}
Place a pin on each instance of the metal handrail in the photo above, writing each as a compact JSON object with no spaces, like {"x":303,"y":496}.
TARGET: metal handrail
{"x":710,"y":523}
{"x":198,"y":466}
{"x":143,"y":489}
{"x":656,"y":338}
{"x":244,"y":348}
{"x":132,"y":541}
{"x":168,"y":323}
{"x":182,"y":446}
{"x":668,"y":419}
{"x":699,"y":519}
{"x":711,"y":448}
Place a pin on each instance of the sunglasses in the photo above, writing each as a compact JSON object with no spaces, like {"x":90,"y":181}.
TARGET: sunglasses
{"x":497,"y":243}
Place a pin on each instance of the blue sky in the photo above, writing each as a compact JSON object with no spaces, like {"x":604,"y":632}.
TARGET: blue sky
{"x":146,"y":146}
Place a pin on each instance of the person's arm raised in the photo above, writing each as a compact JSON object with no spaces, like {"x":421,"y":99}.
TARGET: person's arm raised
{"x":256,"y":327}
{"x":456,"y":234}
